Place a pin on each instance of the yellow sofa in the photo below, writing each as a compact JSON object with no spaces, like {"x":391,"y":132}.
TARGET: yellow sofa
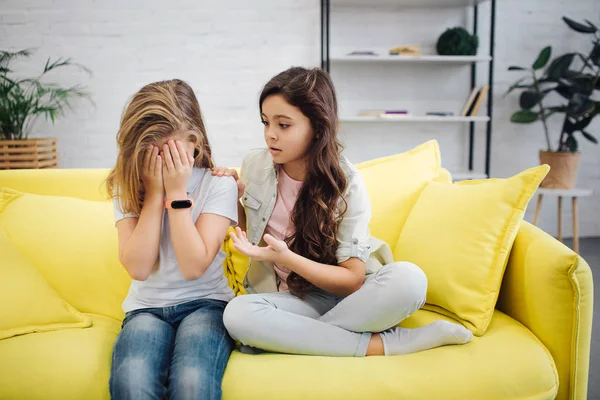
{"x":536,"y":347}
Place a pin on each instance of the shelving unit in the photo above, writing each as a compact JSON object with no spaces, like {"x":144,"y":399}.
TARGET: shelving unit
{"x":383,"y":57}
{"x":413,"y":118}
{"x":407,"y":3}
{"x":411,"y":59}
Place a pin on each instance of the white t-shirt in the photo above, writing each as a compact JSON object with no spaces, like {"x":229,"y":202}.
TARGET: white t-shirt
{"x":166,"y":286}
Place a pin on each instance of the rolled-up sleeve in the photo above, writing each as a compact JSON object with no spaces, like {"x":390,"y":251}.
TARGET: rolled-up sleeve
{"x":353,"y":231}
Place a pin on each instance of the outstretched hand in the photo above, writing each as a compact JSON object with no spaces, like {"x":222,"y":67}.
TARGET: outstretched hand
{"x":275,"y":251}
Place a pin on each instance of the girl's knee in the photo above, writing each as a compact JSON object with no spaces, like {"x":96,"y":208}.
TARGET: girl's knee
{"x":132,"y":376}
{"x":406,"y":281}
{"x":190,"y":382}
{"x":238,"y":315}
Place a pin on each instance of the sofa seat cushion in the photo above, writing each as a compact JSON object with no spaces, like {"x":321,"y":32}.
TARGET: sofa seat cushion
{"x":508,"y":362}
{"x":70,"y":364}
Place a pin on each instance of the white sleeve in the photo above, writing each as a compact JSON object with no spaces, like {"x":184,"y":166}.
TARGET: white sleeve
{"x":222,"y":199}
{"x":118,"y":210}
{"x":353,"y":231}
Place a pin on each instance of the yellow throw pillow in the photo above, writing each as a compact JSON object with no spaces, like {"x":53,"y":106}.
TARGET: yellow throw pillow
{"x":461,"y":236}
{"x":74,"y":245}
{"x":394,"y":184}
{"x":27,"y":302}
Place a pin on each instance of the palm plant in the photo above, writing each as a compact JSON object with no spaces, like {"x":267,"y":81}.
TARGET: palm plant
{"x":24,"y":100}
{"x":579,"y":89}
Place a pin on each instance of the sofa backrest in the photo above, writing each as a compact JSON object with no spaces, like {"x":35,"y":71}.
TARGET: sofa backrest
{"x":87,"y":184}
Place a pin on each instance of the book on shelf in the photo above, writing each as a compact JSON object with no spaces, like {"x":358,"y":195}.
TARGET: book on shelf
{"x":381,"y":113}
{"x":404,"y":51}
{"x":439,"y":113}
{"x":475,"y":101}
{"x":363,"y":53}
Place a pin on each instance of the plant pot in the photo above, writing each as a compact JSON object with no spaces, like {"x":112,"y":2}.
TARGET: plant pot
{"x":28,"y":154}
{"x":563,"y":169}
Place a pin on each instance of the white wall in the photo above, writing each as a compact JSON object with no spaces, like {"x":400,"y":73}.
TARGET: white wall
{"x":227,"y":50}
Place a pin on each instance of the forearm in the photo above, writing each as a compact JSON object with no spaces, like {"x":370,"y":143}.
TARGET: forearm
{"x":140,"y":252}
{"x":190,"y":250}
{"x":332,"y":278}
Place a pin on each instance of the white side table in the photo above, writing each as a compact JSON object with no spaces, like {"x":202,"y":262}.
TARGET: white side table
{"x":560,"y":193}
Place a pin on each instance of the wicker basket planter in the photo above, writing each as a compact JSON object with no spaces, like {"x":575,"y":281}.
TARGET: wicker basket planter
{"x":28,"y":154}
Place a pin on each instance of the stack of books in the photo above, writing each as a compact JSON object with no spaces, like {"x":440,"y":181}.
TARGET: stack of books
{"x":475,"y":101}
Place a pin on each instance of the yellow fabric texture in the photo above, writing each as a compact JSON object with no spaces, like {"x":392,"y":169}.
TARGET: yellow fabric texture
{"x":86,"y":184}
{"x":546,"y":288}
{"x":461,"y":236}
{"x":27,"y":302}
{"x":71,"y":364}
{"x":235,"y":265}
{"x":508,"y":362}
{"x":549,"y":289}
{"x":73,"y":243}
{"x":401,"y":178}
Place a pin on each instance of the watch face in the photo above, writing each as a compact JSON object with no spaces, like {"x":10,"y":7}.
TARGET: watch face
{"x":175,"y":204}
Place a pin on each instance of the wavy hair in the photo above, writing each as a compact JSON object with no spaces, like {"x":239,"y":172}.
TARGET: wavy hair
{"x":155,"y":112}
{"x":315,"y":216}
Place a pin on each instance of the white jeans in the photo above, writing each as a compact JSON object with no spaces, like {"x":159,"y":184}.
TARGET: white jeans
{"x":323,"y":324}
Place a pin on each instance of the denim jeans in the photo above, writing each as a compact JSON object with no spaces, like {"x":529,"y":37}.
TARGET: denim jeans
{"x":179,"y":351}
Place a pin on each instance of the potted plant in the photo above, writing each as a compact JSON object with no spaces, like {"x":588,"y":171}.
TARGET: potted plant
{"x":570,"y":86}
{"x":22,"y":102}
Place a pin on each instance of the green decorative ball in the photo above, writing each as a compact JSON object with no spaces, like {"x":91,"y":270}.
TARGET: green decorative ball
{"x":457,"y":42}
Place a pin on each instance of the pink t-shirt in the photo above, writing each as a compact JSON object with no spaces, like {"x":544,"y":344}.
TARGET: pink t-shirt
{"x":280,"y":225}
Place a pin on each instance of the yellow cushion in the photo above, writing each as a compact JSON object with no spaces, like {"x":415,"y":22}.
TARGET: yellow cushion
{"x":394,"y":184}
{"x":461,"y":236}
{"x":27,"y":303}
{"x":73,"y":243}
{"x":507,"y":363}
{"x":71,"y":364}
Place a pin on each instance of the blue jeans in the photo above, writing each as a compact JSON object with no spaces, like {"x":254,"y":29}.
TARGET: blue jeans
{"x":180,"y":352}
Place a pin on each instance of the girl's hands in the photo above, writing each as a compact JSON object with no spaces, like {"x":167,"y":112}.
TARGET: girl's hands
{"x":276,"y":251}
{"x":152,"y":176}
{"x":222,"y":171}
{"x":177,"y":169}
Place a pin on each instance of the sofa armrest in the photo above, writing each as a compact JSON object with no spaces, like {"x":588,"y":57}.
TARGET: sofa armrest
{"x":549,"y":289}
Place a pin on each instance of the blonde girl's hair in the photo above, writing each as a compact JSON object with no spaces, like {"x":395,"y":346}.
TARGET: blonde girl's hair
{"x":155,"y":112}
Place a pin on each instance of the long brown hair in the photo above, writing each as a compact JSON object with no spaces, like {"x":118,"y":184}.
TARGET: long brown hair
{"x":315,"y":215}
{"x":155,"y":112}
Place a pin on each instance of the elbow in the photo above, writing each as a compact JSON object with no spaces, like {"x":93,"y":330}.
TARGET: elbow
{"x":192,"y":276}
{"x":194,"y":272}
{"x":354,"y":285}
{"x":138,"y":275}
{"x":136,"y":272}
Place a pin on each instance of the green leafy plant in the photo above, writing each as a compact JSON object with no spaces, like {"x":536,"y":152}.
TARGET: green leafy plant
{"x":573,"y":90}
{"x":457,"y":42}
{"x":23,"y":100}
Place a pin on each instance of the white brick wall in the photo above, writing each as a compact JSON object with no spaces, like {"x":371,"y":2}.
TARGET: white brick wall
{"x":227,"y":50}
